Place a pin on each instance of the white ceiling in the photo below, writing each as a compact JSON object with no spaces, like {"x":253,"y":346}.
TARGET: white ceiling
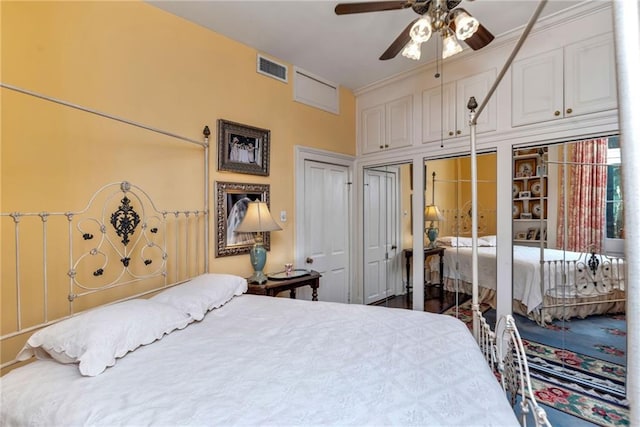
{"x":343,"y":49}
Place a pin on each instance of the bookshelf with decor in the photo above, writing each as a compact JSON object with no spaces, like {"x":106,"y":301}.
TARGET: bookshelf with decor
{"x":529,"y":195}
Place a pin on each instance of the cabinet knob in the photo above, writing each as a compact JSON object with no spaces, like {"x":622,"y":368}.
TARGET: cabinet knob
{"x":458,"y":132}
{"x":386,"y":145}
{"x":381,"y":147}
{"x":450,"y":133}
{"x":309,"y":260}
{"x":556,"y":113}
{"x":569,"y":110}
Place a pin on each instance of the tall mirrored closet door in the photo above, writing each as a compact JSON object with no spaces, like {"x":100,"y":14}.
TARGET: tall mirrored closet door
{"x":568,"y":263}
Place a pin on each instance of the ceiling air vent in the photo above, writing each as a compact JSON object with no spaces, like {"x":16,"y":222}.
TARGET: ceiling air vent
{"x":271,"y":68}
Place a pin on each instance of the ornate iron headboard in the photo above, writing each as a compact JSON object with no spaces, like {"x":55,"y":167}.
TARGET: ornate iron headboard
{"x":119,"y":240}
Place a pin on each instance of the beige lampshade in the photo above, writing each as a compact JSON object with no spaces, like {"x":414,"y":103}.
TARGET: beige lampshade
{"x":257,"y":219}
{"x":432,"y":213}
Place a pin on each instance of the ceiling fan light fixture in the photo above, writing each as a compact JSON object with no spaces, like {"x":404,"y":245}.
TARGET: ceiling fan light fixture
{"x":412,"y":50}
{"x":466,"y":25}
{"x":421,"y":30}
{"x":450,"y":46}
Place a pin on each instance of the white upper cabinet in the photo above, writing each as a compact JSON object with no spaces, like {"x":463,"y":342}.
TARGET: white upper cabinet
{"x":387,"y":126}
{"x":575,"y":80}
{"x":444,"y":109}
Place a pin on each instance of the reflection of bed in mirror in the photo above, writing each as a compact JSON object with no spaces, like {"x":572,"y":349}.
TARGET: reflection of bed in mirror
{"x":594,"y":283}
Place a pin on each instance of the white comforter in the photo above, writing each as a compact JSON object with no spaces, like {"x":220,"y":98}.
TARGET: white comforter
{"x":275,"y":361}
{"x":526,"y":269}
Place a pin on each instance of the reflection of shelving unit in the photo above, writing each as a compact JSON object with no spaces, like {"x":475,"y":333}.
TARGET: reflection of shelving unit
{"x":530,"y":202}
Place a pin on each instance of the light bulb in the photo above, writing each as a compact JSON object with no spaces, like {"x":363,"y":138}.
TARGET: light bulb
{"x":450,"y":46}
{"x":421,"y":31}
{"x":466,"y":25}
{"x":412,"y":50}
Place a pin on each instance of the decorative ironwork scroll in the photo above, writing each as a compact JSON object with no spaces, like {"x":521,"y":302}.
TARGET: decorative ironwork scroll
{"x":125,"y":220}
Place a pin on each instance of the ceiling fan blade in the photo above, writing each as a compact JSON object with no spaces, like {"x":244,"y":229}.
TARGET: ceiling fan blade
{"x":398,"y":43}
{"x":371,"y":6}
{"x":480,"y":38}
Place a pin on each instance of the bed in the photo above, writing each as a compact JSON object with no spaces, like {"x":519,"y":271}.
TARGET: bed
{"x":149,"y":338}
{"x":594,"y":283}
{"x":258,"y":360}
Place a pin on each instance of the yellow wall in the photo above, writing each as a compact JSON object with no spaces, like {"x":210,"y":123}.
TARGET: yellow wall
{"x":132,"y":60}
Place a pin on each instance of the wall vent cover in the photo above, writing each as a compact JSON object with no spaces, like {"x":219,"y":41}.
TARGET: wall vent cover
{"x":270,"y":68}
{"x":315,"y":91}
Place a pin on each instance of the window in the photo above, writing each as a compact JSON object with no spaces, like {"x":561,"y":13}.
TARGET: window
{"x":614,"y":215}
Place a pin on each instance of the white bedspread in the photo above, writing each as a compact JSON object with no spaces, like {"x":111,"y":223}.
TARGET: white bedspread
{"x":526,"y":269}
{"x":275,"y":361}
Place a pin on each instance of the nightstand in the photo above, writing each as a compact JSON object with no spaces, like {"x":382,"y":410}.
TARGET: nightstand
{"x":438,"y":250}
{"x":274,"y":287}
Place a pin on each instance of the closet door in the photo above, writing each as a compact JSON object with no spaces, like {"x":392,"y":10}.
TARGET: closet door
{"x":380,"y":238}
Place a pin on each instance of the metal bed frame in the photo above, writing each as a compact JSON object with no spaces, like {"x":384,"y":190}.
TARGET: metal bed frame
{"x":120,"y":238}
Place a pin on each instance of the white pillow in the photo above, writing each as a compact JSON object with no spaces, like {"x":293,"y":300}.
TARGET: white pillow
{"x":454,"y":241}
{"x":487,"y":240}
{"x":95,"y":338}
{"x":203,"y":293}
{"x":466,"y":242}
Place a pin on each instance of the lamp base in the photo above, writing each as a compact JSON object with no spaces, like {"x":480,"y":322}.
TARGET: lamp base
{"x":432,"y":234}
{"x":258,"y":257}
{"x":257,"y":277}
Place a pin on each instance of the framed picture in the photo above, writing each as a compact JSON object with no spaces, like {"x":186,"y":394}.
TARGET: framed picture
{"x":517,"y":209}
{"x":526,"y":215}
{"x":243,"y":149}
{"x":524,"y":194}
{"x":517,"y":188}
{"x":525,"y":167}
{"x":521,"y":235}
{"x":538,"y":187}
{"x":533,"y":233}
{"x":232,"y":199}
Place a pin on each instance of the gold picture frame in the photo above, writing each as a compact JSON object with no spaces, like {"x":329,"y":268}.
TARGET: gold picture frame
{"x":231,"y":203}
{"x":243,"y":149}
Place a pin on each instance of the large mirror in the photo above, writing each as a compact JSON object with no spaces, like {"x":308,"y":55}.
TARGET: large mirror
{"x":388,"y":197}
{"x":568,"y":265}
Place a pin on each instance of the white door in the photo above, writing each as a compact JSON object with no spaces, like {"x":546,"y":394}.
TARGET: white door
{"x":380,"y":234}
{"x":326,"y":228}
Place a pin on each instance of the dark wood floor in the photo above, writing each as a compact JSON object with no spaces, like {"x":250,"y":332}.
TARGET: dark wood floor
{"x":432,"y":301}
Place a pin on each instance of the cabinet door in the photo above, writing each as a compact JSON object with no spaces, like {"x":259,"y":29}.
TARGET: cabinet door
{"x":477,"y":86}
{"x":590,"y":76}
{"x":536,"y":94}
{"x":399,"y":119}
{"x":373,"y":129}
{"x":438,"y":113}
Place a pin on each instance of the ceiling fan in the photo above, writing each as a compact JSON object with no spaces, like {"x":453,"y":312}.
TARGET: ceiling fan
{"x":437,"y":16}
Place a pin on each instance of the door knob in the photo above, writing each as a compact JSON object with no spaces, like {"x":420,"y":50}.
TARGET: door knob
{"x":394,"y":247}
{"x":309,"y":260}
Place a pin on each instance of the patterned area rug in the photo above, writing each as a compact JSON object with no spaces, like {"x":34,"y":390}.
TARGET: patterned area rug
{"x":578,"y":385}
{"x":464,"y":312}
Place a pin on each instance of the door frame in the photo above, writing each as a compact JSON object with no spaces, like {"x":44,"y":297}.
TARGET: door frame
{"x":302,"y":154}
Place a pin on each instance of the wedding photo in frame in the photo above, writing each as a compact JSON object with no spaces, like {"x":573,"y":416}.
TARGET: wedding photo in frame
{"x":232,"y":199}
{"x":243,"y":148}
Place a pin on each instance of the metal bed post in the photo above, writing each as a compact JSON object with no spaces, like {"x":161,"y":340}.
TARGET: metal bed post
{"x":626,"y":15}
{"x":474,"y":161}
{"x":206,"y":132}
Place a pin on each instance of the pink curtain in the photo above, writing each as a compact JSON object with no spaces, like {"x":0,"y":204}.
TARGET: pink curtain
{"x":587,"y":192}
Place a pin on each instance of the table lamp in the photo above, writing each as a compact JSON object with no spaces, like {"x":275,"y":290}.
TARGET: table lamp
{"x":432,"y":213}
{"x":257,"y":220}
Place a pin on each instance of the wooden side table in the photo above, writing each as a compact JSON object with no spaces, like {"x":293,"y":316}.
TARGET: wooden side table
{"x":438,"y":250}
{"x":274,"y":287}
